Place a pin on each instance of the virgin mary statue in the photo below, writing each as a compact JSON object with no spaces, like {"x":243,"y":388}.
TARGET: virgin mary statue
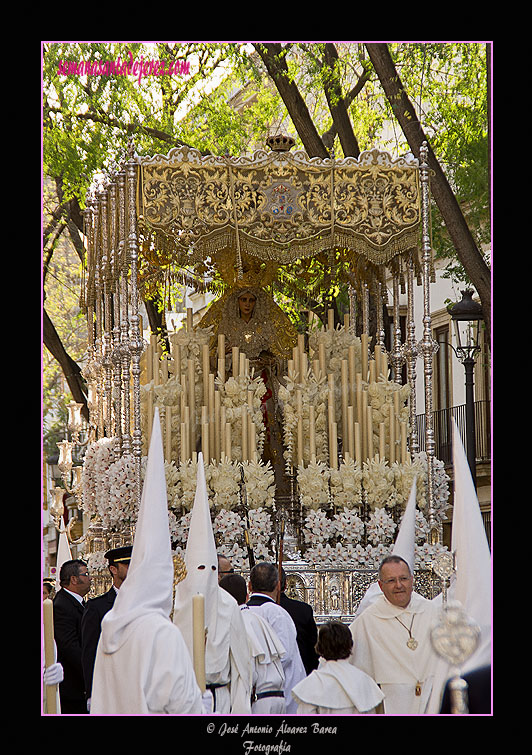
{"x":249,"y":318}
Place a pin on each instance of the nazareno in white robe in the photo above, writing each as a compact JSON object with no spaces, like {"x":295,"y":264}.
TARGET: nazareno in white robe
{"x":336,"y":688}
{"x":380,"y":649}
{"x":227,"y":658}
{"x":283,"y":625}
{"x":267,"y":651}
{"x":142,"y":664}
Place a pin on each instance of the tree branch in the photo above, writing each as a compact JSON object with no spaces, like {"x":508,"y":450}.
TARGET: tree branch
{"x":71,"y":369}
{"x":337,"y":105}
{"x":274,"y":58}
{"x":464,"y":243}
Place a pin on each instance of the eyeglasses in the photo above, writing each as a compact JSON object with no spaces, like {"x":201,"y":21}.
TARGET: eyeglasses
{"x":393,"y":580}
{"x":85,"y":574}
{"x":229,"y":571}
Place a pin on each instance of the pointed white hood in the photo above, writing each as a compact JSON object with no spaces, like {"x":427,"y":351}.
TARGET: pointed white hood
{"x":472,"y":585}
{"x":149,"y":584}
{"x":404,"y":547}
{"x":201,"y":562}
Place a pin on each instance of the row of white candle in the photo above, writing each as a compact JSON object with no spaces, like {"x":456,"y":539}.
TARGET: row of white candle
{"x":356,"y":427}
{"x":209,"y":418}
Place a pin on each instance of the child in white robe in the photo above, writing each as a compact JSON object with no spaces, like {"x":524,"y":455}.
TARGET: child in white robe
{"x":336,"y":687}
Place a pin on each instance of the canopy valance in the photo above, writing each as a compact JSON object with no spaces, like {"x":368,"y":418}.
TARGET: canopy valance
{"x":279,"y":205}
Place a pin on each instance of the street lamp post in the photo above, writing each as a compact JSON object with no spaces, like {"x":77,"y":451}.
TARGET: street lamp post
{"x":467,"y":316}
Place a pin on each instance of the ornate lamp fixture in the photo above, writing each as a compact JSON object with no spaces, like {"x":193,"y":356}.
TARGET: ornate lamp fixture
{"x":467,"y":317}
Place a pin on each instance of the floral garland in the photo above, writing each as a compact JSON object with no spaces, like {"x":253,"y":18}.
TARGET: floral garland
{"x":314,"y":392}
{"x":335,"y":539}
{"x":234,"y":393}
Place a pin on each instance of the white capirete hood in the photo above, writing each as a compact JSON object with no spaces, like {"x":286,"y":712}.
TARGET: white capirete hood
{"x":149,"y":584}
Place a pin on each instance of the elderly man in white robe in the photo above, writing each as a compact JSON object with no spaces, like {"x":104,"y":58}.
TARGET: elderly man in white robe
{"x":336,"y":687}
{"x":391,"y":640}
{"x":264,"y":590}
{"x":142,"y":665}
{"x":227,"y":658}
{"x":266,"y":652}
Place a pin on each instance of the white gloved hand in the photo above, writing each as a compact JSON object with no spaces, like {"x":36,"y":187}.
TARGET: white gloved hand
{"x":207,"y":701}
{"x":53,"y":674}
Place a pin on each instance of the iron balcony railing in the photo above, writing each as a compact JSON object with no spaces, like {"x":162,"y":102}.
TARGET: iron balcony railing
{"x":443,"y":431}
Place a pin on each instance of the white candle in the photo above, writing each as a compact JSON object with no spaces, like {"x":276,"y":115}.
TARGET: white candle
{"x":244,"y":422}
{"x":206,"y":370}
{"x":312,"y":432}
{"x":191,"y":403}
{"x":217,"y":426}
{"x":364,"y":355}
{"x":345,"y":399}
{"x":334,"y":445}
{"x":168,"y":434}
{"x":321,"y":358}
{"x":198,"y":643}
{"x":228,"y":449}
{"x":236,"y":360}
{"x":370,"y":432}
{"x":382,"y":441}
{"x":49,"y":655}
{"x":392,"y":435}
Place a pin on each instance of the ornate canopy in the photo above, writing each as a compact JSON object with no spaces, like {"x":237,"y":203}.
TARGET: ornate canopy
{"x":279,"y":205}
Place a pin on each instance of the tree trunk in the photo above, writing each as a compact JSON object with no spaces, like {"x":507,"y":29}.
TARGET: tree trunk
{"x":273,"y":58}
{"x":71,"y":369}
{"x":464,"y":244}
{"x":337,"y":104}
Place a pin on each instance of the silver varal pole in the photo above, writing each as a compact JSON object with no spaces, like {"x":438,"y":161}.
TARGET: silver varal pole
{"x":427,"y":342}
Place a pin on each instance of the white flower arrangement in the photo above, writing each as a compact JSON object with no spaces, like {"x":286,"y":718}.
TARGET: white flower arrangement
{"x":314,"y":392}
{"x":224,"y":482}
{"x":346,"y":484}
{"x":336,"y":343}
{"x":99,"y":457}
{"x":380,"y":527}
{"x":318,"y":527}
{"x":97,"y":562}
{"x":378,"y":481}
{"x":227,"y":526}
{"x":313,"y":482}
{"x":121,"y":508}
{"x":348,"y":526}
{"x":234,"y":393}
{"x":259,"y":480}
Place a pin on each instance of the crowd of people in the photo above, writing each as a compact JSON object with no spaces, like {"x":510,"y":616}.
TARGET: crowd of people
{"x":143,"y":647}
{"x":381,"y":663}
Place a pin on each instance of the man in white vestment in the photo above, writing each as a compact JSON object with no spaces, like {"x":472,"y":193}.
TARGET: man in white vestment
{"x":264,"y":590}
{"x":227,"y":657}
{"x":142,"y":664}
{"x":266,"y":652}
{"x":391,"y":640}
{"x":336,"y":687}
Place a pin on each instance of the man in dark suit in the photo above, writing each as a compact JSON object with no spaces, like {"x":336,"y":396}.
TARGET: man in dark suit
{"x":96,"y":609}
{"x":75,"y":583}
{"x":307,"y":631}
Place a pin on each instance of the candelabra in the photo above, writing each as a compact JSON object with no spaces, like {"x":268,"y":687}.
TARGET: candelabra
{"x":70,"y":474}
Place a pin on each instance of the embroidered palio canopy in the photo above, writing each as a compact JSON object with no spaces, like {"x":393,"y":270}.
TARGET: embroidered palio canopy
{"x":280,"y":205}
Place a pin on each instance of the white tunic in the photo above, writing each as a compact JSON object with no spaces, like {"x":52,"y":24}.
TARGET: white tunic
{"x":283,"y":625}
{"x":268,"y":673}
{"x":149,"y":673}
{"x":337,"y":688}
{"x":228,"y":660}
{"x":380,"y":649}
